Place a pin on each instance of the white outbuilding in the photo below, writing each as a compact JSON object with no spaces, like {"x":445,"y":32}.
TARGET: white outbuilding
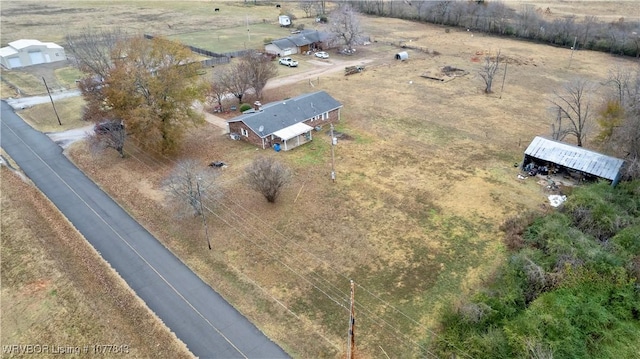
{"x":26,"y":52}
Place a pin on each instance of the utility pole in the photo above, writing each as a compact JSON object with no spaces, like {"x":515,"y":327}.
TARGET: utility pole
{"x":573,"y":48}
{"x":333,"y":159}
{"x":51,"y":98}
{"x":204,"y":218}
{"x":351,"y":345}
{"x":504,"y":77}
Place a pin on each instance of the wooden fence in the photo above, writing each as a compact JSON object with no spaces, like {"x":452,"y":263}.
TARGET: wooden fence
{"x":214,"y":57}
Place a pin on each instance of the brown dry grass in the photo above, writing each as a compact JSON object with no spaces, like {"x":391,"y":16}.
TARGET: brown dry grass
{"x":43,"y":117}
{"x":56,"y":290}
{"x":414,"y":215}
{"x":52,"y":20}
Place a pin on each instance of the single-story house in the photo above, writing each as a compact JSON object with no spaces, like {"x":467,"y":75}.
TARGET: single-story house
{"x":546,"y":152}
{"x":306,"y":40}
{"x":21,"y":53}
{"x":288,"y":123}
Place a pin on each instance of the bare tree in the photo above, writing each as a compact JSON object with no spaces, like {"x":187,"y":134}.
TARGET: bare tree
{"x":322,"y":6}
{"x":216,"y":91}
{"x":489,"y":70}
{"x":621,"y":134}
{"x":267,"y":176}
{"x":108,"y":134}
{"x":573,"y":103}
{"x":345,"y":25}
{"x":307,"y":6}
{"x":92,"y":50}
{"x":236,"y":80}
{"x":190,"y":184}
{"x":260,"y":69}
{"x":558,"y":131}
{"x":621,"y":78}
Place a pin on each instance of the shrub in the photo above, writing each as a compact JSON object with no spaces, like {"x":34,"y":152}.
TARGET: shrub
{"x":244,"y":107}
{"x":514,"y":227}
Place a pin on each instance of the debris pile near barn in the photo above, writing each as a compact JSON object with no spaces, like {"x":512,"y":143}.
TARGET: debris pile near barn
{"x":350,"y":70}
{"x":444,"y":74}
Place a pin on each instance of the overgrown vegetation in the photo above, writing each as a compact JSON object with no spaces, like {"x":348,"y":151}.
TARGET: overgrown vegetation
{"x":568,"y":289}
{"x":619,"y":117}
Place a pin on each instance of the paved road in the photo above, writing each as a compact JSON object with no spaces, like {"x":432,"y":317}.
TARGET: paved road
{"x":204,"y":321}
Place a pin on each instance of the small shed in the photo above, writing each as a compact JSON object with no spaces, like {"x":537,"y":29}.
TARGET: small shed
{"x":403,"y":55}
{"x":543,"y":150}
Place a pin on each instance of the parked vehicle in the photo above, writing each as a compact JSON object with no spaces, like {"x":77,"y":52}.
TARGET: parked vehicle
{"x":287,"y":61}
{"x":322,"y":55}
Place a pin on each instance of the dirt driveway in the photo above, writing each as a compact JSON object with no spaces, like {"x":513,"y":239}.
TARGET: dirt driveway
{"x":330,"y":66}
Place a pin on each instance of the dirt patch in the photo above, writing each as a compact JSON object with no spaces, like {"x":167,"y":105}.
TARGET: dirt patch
{"x":444,"y":74}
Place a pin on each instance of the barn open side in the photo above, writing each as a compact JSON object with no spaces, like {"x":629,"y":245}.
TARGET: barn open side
{"x":550,"y":153}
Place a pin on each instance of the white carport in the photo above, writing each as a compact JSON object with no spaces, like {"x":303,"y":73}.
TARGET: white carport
{"x":294,"y":135}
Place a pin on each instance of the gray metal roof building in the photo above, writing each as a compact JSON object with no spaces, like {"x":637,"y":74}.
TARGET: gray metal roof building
{"x":575,"y":158}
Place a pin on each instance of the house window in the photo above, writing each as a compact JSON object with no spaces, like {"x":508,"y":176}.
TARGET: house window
{"x":244,"y":132}
{"x":325,"y":116}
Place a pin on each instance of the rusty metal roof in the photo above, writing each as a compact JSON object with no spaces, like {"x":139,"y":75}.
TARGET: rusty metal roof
{"x":576,"y":158}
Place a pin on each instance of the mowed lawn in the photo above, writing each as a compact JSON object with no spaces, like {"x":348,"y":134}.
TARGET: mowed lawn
{"x":425,"y":177}
{"x":232,"y":39}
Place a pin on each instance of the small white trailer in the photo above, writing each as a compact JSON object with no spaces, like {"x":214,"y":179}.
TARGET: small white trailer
{"x":284,"y":21}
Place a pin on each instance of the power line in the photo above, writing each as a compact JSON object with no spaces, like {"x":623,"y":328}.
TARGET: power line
{"x":280,"y":235}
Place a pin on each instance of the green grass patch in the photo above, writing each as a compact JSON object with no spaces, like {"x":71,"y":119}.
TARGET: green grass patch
{"x":233,"y":38}
{"x":43,"y":118}
{"x":314,"y":152}
{"x":67,"y":76}
{"x":27,"y":84}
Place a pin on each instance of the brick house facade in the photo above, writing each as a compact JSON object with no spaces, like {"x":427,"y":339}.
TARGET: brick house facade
{"x":288,"y":123}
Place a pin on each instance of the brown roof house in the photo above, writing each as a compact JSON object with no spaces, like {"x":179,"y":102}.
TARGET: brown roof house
{"x":285,"y":124}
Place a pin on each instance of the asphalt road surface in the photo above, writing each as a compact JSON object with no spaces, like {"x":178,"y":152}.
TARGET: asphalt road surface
{"x":200,"y":317}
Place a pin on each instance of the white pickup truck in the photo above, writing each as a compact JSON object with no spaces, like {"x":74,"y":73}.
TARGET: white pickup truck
{"x":287,"y":61}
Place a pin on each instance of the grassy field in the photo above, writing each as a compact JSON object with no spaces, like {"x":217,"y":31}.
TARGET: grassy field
{"x":57,"y":291}
{"x":28,"y":84}
{"x":52,"y":20}
{"x":44,"y":118}
{"x":413,"y":217}
{"x":422,"y":187}
{"x":234,"y":38}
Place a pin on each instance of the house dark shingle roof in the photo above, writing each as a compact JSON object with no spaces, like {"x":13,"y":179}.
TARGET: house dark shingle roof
{"x":305,"y":37}
{"x":275,"y":116}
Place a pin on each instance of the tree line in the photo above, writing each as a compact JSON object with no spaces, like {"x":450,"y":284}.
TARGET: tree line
{"x":619,"y":37}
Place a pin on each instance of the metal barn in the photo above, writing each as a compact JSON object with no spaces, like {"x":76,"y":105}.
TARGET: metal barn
{"x":542,"y":150}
